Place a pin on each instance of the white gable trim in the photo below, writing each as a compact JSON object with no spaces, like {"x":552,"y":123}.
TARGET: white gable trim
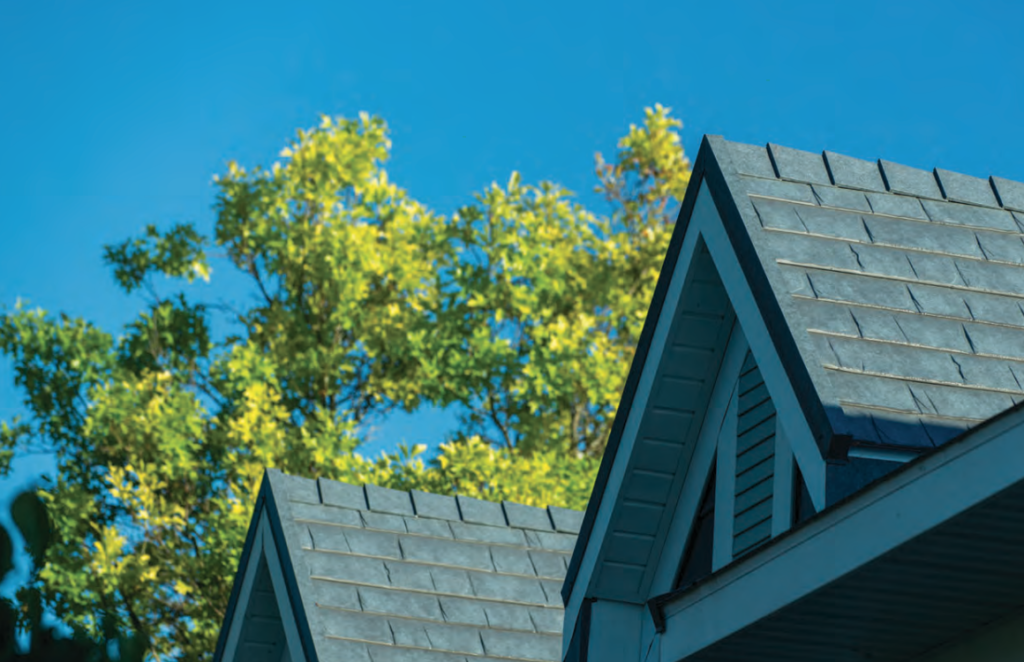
{"x":291,"y":629}
{"x":853,"y":533}
{"x":725,"y":476}
{"x":700,"y":465}
{"x":263,"y":547}
{"x":782,"y":493}
{"x":238,"y":620}
{"x":703,"y":214}
{"x":787,"y":406}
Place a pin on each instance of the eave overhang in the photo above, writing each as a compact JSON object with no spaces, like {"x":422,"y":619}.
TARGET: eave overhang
{"x":919,"y":559}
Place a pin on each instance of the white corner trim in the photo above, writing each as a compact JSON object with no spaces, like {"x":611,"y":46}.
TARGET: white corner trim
{"x":238,"y":618}
{"x":787,"y":406}
{"x":725,"y":484}
{"x":700,"y":465}
{"x":702,"y":207}
{"x":782,"y":493}
{"x":291,"y":630}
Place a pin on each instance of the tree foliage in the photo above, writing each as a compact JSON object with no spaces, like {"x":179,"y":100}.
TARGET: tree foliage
{"x":521,"y":311}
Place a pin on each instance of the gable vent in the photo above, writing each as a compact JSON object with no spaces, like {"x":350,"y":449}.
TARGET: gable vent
{"x":755,"y":460}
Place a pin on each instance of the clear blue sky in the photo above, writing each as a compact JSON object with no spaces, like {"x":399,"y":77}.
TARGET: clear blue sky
{"x":115,"y":114}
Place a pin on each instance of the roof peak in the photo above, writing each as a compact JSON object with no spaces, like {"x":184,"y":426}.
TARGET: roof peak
{"x":417,"y":503}
{"x":774,"y":161}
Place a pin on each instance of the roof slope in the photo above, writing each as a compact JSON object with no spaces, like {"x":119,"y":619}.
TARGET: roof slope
{"x":903,"y":289}
{"x":387,"y":575}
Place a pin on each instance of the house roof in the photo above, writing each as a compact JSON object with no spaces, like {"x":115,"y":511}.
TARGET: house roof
{"x":379,"y":574}
{"x":893,"y":296}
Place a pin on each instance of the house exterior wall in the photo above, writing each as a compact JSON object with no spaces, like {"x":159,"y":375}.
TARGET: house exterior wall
{"x":1001,"y":642}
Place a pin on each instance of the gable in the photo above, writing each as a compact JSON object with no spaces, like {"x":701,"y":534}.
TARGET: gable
{"x":884,"y":303}
{"x":261,"y":625}
{"x":704,"y":293}
{"x":380,"y":574}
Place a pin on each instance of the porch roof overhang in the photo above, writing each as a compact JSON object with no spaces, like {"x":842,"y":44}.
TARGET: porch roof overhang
{"x":922,"y":557}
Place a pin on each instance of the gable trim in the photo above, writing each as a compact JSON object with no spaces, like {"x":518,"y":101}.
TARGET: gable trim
{"x":782,"y":493}
{"x":628,"y":418}
{"x":636,"y":370}
{"x":266,"y":538}
{"x":287,"y":565}
{"x":725,"y":477}
{"x":704,"y":454}
{"x":241,"y":574}
{"x":235,"y":619}
{"x":747,"y":292}
{"x":291,"y":630}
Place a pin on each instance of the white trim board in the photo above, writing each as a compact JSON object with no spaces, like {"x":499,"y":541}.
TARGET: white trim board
{"x":787,"y":405}
{"x":635,"y":416}
{"x":264,"y":548}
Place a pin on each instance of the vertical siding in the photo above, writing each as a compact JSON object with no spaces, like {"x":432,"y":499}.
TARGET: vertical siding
{"x":755,"y":460}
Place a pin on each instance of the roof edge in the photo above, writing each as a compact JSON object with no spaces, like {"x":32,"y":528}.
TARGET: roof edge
{"x":720,"y":178}
{"x":270,"y":477}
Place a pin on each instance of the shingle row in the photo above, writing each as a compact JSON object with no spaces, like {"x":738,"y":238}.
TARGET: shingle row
{"x":374,"y":500}
{"x":831,"y":169}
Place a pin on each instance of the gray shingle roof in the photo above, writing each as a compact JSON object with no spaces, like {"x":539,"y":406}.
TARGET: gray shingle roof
{"x":390,"y":575}
{"x":903,"y":289}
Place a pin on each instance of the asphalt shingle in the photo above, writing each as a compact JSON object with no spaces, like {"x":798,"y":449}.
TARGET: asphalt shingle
{"x":527,"y":517}
{"x":481,"y":512}
{"x":340,"y":494}
{"x":301,"y":490}
{"x":387,"y":500}
{"x":799,"y":166}
{"x":964,"y":188}
{"x":407,"y":576}
{"x":1011,"y":193}
{"x":435,"y":505}
{"x":910,"y":181}
{"x":849,"y":172}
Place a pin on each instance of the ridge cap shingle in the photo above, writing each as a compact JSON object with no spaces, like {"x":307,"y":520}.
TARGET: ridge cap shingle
{"x":427,"y":505}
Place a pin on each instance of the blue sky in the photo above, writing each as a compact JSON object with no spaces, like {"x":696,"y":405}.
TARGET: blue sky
{"x":114,"y":115}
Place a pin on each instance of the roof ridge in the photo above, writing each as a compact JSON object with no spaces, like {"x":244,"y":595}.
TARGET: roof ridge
{"x":417,"y":503}
{"x":880,"y":176}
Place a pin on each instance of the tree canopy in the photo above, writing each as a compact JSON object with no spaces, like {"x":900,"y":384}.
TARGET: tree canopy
{"x":520,"y":310}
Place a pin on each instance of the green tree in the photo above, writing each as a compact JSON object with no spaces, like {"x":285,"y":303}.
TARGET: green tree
{"x":522,"y":311}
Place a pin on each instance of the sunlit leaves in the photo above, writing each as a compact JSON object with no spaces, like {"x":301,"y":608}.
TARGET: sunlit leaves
{"x":521,"y":311}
